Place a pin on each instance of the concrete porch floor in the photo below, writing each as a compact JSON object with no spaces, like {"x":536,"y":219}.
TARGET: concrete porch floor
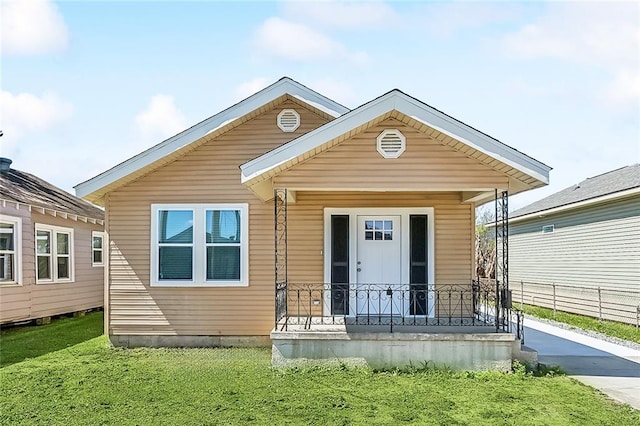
{"x":464,"y":347}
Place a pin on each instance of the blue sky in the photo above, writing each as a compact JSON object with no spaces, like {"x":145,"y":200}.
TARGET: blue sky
{"x":86,"y":85}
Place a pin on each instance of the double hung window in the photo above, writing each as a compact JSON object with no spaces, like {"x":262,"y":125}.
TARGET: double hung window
{"x":97,"y":249}
{"x":9,"y":250}
{"x":199,"y":244}
{"x":54,"y":254}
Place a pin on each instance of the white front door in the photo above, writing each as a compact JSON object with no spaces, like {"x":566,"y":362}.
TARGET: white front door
{"x":379,"y":264}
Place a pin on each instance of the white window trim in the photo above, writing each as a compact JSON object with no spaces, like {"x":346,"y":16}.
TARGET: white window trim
{"x":17,"y":248}
{"x":54,"y":230}
{"x":199,"y":266}
{"x":97,"y":234}
{"x":404,"y":213}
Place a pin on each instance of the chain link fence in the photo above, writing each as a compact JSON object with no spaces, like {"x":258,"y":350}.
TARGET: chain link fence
{"x":598,"y":302}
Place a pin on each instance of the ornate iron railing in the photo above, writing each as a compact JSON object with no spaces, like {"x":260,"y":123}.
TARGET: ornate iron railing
{"x":392,"y":306}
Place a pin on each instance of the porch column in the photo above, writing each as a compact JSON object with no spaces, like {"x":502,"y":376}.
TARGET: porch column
{"x":503,"y":296}
{"x":280,"y":253}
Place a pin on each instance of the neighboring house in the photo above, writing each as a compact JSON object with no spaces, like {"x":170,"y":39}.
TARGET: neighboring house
{"x":51,"y":249}
{"x":289,"y":208}
{"x":587,"y":235}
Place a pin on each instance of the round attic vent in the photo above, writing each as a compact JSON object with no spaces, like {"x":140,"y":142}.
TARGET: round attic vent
{"x":288,"y":120}
{"x":391,"y":143}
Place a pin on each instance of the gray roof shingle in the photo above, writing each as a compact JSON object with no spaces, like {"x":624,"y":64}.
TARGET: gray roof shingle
{"x":597,"y":186}
{"x":28,"y":189}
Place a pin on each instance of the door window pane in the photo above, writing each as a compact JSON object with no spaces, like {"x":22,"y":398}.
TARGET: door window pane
{"x":175,"y":263}
{"x":223,"y":263}
{"x":378,"y":230}
{"x":175,"y":226}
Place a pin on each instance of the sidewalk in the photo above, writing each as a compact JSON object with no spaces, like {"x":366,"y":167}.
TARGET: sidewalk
{"x":613,"y":369}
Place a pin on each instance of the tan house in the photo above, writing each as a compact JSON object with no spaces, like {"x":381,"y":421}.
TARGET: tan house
{"x":51,"y":249}
{"x":289,"y":219}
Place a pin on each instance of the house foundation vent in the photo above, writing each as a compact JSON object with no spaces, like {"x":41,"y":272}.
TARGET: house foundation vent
{"x":288,"y":120}
{"x":391,"y":143}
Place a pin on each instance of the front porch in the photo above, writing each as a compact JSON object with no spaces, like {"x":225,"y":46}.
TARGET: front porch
{"x":460,"y":325}
{"x":455,"y":326}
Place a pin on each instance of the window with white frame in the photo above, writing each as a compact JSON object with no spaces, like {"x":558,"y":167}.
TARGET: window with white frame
{"x":199,"y":244}
{"x":10,"y":231}
{"x":97,"y":248}
{"x":54,"y":254}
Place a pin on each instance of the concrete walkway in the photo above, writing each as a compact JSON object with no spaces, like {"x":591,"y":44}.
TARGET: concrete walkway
{"x":613,"y":369}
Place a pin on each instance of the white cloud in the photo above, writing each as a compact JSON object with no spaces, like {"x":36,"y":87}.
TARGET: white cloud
{"x":296,"y":42}
{"x":161,"y":118}
{"x":31,"y":27}
{"x":606,"y":35}
{"x":446,"y":19}
{"x":250,"y":87}
{"x":625,"y":88}
{"x":26,"y":113}
{"x":337,"y":14}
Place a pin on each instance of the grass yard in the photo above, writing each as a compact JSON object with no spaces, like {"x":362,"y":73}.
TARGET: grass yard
{"x":20,"y":343}
{"x":610,"y":328}
{"x":92,"y":383}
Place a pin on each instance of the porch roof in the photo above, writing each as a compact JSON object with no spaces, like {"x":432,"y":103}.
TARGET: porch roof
{"x":529,"y":173}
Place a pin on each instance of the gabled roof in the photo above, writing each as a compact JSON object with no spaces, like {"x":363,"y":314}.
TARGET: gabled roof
{"x":595,"y":188}
{"x":297,"y":150}
{"x":26,"y":189}
{"x":157,"y":155}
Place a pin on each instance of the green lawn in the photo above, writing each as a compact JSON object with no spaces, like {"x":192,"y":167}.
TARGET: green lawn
{"x":92,"y":383}
{"x":19,"y":343}
{"x":610,"y":328}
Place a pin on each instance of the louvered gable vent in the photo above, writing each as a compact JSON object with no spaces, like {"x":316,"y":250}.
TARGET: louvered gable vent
{"x":288,"y":120}
{"x":391,"y":143}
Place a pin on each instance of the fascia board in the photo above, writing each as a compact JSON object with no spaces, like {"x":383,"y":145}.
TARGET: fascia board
{"x":161,"y":150}
{"x":410,"y":107}
{"x":473,"y":138}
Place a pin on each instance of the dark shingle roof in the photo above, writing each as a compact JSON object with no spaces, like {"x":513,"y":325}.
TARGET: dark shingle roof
{"x":597,"y":186}
{"x":28,"y":189}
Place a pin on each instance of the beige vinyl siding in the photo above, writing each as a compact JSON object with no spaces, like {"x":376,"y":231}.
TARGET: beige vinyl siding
{"x":210,"y":174}
{"x":453,"y":236}
{"x":592,"y":246}
{"x":30,"y":300}
{"x":427,"y":164}
{"x":453,"y":230}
